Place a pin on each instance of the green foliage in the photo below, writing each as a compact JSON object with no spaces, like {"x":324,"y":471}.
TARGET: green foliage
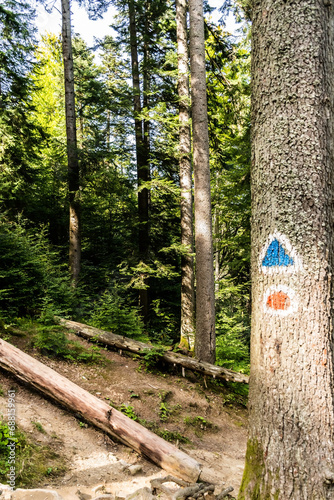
{"x":32,"y":462}
{"x":233,"y":326}
{"x":33,"y":181}
{"x":31,"y":280}
{"x":164,"y":395}
{"x":200,"y":424}
{"x":151,"y":357}
{"x":173,"y":436}
{"x":5,"y":437}
{"x":112,"y":313}
{"x":229,"y":109}
{"x":39,"y":427}
{"x":129,"y":411}
{"x":164,"y":412}
{"x":53,"y":342}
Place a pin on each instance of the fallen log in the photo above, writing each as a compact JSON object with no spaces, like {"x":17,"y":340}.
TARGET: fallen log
{"x":176,"y":359}
{"x":97,"y":412}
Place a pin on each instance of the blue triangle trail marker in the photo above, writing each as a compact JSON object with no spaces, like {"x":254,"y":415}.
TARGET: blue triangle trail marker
{"x":276,"y":256}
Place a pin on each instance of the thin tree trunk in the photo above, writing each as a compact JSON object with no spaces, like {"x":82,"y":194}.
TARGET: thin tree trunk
{"x":72,"y":152}
{"x":205,"y":342}
{"x":141,"y":156}
{"x":290,"y":452}
{"x":217,"y":256}
{"x":187,"y":338}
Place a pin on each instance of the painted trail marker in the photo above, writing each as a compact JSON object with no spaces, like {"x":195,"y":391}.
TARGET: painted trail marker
{"x":278,"y":256}
{"x":280,"y":300}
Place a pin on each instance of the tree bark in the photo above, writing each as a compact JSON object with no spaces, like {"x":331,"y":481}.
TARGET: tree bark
{"x":126,"y":344}
{"x":72,"y":151}
{"x":187,"y":338}
{"x":111,"y":421}
{"x":205,"y":342}
{"x":143,"y":173}
{"x":290,"y":452}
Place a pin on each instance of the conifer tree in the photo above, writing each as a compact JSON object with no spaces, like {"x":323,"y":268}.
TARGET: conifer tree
{"x":205,"y":340}
{"x":20,"y":137}
{"x":72,"y":150}
{"x":187,"y":340}
{"x":141,"y":155}
{"x":290,"y":452}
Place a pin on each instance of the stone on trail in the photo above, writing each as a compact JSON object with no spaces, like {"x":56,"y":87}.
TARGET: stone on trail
{"x":37,"y":494}
{"x":134,"y":469}
{"x":105,"y":496}
{"x":5,"y":492}
{"x":141,"y":494}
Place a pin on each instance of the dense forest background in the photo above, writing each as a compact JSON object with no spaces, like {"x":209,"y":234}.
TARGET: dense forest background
{"x":34,"y":198}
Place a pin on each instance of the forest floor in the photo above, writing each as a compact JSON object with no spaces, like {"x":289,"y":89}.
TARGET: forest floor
{"x":204,"y":418}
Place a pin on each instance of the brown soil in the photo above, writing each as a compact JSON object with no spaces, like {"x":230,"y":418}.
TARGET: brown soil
{"x":95,"y":461}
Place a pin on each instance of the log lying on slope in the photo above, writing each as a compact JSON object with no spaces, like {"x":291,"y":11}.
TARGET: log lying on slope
{"x":111,"y":421}
{"x":124,"y":343}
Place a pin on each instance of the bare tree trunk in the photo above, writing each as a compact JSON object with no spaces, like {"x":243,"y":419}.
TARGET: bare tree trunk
{"x":290,"y":451}
{"x":187,"y":338}
{"x":217,"y":256}
{"x":205,"y":342}
{"x":141,"y":156}
{"x":72,"y":152}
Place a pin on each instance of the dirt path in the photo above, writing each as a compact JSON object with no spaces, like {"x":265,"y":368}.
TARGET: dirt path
{"x":170,"y":403}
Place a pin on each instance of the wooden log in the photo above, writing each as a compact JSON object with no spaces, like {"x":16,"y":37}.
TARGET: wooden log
{"x":119,"y":342}
{"x":97,"y":412}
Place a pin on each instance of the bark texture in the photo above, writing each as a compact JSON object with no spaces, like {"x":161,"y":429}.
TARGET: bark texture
{"x":143,"y":174}
{"x":72,"y":151}
{"x":99,"y":413}
{"x":290,"y":451}
{"x":205,"y":341}
{"x":187,"y":339}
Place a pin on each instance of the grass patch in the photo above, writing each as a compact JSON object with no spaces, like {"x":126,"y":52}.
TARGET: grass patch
{"x":39,"y":427}
{"x":33,"y":463}
{"x":200,"y":425}
{"x":51,"y":341}
{"x":171,"y":436}
{"x":151,"y":358}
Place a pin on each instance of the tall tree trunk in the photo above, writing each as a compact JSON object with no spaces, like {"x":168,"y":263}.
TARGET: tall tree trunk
{"x":187,"y":338}
{"x":205,"y":341}
{"x":141,"y":156}
{"x":290,"y":451}
{"x":146,"y":105}
{"x":72,"y":152}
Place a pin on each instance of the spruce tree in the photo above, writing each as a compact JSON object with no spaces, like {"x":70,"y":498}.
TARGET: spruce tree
{"x":290,"y":452}
{"x":205,"y":340}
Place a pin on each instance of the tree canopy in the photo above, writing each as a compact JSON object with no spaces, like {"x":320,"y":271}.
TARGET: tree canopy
{"x":34,"y":194}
